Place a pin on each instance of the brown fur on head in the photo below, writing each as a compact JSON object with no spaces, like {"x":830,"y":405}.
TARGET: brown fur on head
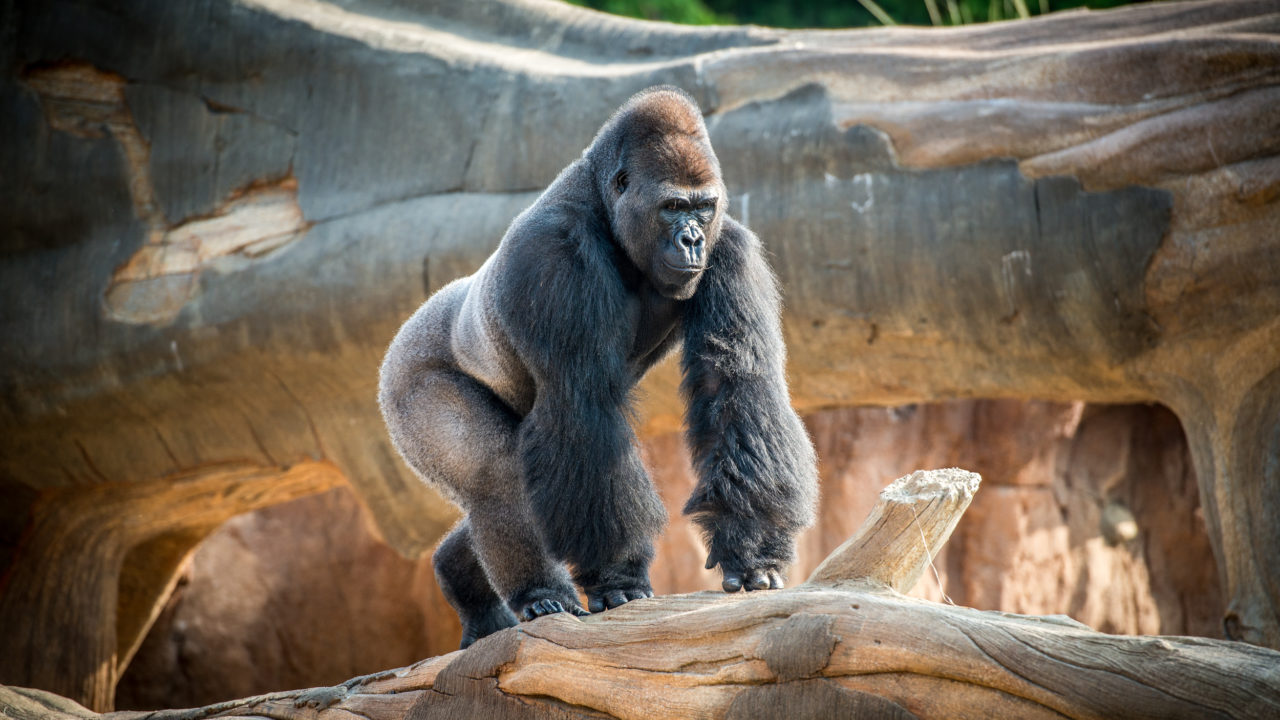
{"x":661,"y":181}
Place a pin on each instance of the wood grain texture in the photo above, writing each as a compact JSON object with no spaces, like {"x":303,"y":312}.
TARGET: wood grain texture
{"x":913,"y":518}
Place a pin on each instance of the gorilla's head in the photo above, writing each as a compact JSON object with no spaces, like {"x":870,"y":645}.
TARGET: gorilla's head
{"x":660,"y":180}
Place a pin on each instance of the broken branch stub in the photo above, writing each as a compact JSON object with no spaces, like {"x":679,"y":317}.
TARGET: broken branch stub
{"x":912,"y":520}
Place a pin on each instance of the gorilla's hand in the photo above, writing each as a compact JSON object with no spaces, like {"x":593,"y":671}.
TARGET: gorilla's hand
{"x":758,"y":569}
{"x":766,"y":578}
{"x":536,"y":602}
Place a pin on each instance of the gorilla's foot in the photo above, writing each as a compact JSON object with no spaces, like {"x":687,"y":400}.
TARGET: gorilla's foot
{"x":600,"y":599}
{"x":536,"y":602}
{"x":616,"y":583}
{"x":485,"y":623}
{"x":752,"y":579}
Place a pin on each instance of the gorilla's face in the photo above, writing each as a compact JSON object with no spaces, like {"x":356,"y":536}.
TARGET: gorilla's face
{"x":667,"y":228}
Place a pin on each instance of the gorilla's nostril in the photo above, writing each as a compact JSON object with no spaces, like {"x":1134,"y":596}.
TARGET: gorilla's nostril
{"x":691,"y":238}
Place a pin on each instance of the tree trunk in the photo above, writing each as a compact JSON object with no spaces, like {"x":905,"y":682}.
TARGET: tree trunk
{"x":844,"y":644}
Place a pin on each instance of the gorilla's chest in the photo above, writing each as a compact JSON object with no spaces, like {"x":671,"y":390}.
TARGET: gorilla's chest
{"x":655,"y":320}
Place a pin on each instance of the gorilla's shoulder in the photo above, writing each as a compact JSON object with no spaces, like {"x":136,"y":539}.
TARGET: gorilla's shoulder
{"x":554,"y":227}
{"x":558,"y":224}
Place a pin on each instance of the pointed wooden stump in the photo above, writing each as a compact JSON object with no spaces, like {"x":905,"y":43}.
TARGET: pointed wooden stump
{"x":914,"y":518}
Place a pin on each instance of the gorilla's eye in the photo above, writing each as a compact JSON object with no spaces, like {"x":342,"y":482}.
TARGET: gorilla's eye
{"x":620,"y":181}
{"x":706,"y":206}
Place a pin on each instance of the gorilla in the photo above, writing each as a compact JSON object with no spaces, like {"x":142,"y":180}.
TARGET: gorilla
{"x":510,"y":390}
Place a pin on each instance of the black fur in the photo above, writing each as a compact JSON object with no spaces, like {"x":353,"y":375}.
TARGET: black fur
{"x":511,"y":389}
{"x":584,"y":478}
{"x":753,"y":458}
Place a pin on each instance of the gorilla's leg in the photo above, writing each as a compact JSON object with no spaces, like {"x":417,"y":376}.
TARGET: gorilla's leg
{"x":467,"y":588}
{"x":455,"y":432}
{"x":590,"y":493}
{"x":511,"y":550}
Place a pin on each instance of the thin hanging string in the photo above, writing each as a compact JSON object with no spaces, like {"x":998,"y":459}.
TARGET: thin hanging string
{"x":925,"y":542}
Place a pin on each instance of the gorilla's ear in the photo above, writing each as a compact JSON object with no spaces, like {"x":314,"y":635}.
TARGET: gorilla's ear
{"x":620,"y":181}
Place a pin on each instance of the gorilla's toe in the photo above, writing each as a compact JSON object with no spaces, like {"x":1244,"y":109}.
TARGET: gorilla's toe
{"x":752,"y":579}
{"x":537,"y":602}
{"x":543,"y":607}
{"x":538,"y":608}
{"x":602,"y":600}
{"x":732,"y":582}
{"x":757,"y":580}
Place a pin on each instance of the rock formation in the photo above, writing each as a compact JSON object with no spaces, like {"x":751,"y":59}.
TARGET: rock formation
{"x":221,"y":210}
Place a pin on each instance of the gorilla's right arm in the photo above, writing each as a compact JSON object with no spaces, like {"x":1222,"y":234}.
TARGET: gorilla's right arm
{"x":562,"y":303}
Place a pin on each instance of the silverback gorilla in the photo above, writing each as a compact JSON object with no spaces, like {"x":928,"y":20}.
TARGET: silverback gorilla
{"x":510,"y":390}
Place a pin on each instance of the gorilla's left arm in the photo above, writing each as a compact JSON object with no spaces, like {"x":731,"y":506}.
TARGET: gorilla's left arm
{"x":757,"y":472}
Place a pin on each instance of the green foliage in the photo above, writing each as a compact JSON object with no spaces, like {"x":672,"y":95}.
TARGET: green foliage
{"x":688,"y":12}
{"x":836,"y":13}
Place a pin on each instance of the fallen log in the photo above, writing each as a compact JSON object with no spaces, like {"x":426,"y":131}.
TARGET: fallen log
{"x":845,"y":643}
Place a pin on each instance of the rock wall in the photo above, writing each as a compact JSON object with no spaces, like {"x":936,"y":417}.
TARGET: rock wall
{"x":300,"y":594}
{"x":1086,"y":510}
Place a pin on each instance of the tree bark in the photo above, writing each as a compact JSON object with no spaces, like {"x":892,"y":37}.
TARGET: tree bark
{"x":843,"y":644}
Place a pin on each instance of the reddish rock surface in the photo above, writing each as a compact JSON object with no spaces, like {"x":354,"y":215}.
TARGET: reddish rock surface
{"x":298,"y":595}
{"x":304,"y":594}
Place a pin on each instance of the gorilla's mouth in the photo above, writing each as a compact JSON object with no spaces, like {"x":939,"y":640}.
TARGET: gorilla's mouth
{"x":689,"y":270}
